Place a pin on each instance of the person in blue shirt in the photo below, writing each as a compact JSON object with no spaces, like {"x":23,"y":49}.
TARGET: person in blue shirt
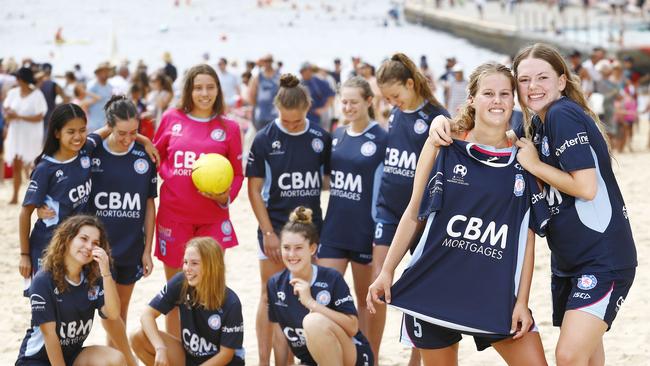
{"x":322,"y":95}
{"x":74,"y":282}
{"x":357,"y":163}
{"x":312,"y":305}
{"x":288,"y":166}
{"x":212,"y":328}
{"x":451,"y":197}
{"x":263,"y":88}
{"x":414,"y":106}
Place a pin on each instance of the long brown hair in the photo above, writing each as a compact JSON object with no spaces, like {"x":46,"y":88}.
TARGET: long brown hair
{"x":573,"y":89}
{"x":210,"y":293}
{"x":186,"y":104}
{"x":465,"y":118}
{"x":400,"y":68}
{"x":365,"y":91}
{"x":54,"y":257}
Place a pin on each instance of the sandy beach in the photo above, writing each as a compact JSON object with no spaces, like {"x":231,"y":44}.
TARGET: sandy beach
{"x":628,"y":343}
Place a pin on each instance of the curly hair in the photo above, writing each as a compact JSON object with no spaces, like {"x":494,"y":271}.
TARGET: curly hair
{"x":54,"y":257}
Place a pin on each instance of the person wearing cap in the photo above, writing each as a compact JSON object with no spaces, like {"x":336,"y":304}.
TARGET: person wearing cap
{"x":457,"y":90}
{"x":262,"y":90}
{"x":104,"y":90}
{"x":322,"y":95}
{"x":24,"y":109}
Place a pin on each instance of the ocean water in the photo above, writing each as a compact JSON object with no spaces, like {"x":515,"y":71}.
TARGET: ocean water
{"x":293,"y":31}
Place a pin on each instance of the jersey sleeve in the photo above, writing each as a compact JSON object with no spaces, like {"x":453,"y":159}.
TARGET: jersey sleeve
{"x":540,"y":213}
{"x":98,"y":303}
{"x":153,"y":181}
{"x":38,"y":186}
{"x":327,"y":154}
{"x":271,"y":293}
{"x":232,"y":328}
{"x":166,"y":300}
{"x":92,"y":141}
{"x":235,"y":156}
{"x":42,"y":301}
{"x":569,"y":140}
{"x":342,"y":300}
{"x":432,"y":197}
{"x":255,"y":166}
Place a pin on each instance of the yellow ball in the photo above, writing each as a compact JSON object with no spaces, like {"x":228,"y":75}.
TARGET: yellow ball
{"x":212,"y":173}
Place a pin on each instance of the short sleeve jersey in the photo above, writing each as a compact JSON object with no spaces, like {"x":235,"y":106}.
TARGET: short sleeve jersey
{"x":292,"y":165}
{"x":122,"y":183}
{"x":204,"y":332}
{"x":583,"y":235}
{"x":357,"y":164}
{"x":407,"y":133}
{"x":72,"y":310}
{"x":478,"y":205}
{"x":181,"y":139}
{"x":328,"y":288}
{"x":65,"y":187}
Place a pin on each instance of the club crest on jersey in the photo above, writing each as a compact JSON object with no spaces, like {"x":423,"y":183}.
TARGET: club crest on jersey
{"x":214,"y":322}
{"x":176,"y":129}
{"x":545,"y":149}
{"x":323,"y":297}
{"x":317,"y":145}
{"x":520,"y":185}
{"x":368,"y":148}
{"x":218,"y":135}
{"x":420,"y":126}
{"x":226,"y":227}
{"x":93,"y":293}
{"x":85,"y":162}
{"x":141,"y":166}
{"x":587,"y":282}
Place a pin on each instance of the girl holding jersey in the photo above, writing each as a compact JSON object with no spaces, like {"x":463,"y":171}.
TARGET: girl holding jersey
{"x":357,"y":164}
{"x":288,"y":166}
{"x":404,"y":86}
{"x":483,"y":120}
{"x":196,"y":127}
{"x":75,"y":280}
{"x":212,"y":328}
{"x":311,"y":304}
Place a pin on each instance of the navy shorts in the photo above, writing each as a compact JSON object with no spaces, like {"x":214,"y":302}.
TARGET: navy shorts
{"x":364,"y":356}
{"x":420,"y":334}
{"x":69,"y":360}
{"x":260,"y":243}
{"x":326,"y":251}
{"x":384,"y":233}
{"x":127,"y":275}
{"x":600,"y":294}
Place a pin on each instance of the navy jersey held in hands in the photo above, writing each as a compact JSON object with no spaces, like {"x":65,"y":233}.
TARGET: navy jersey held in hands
{"x":292,"y":165}
{"x":478,"y":204}
{"x":65,"y":187}
{"x":328,"y":288}
{"x":357,"y":165}
{"x":203,"y":331}
{"x":122,"y":183}
{"x":584,"y":236}
{"x":72,"y":311}
{"x":407,"y":133}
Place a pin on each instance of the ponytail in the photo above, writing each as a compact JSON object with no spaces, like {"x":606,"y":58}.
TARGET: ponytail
{"x":400,"y":68}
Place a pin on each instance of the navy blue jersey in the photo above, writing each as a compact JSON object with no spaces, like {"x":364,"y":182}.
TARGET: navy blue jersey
{"x":328,"y":288}
{"x":72,"y":311}
{"x":203,"y":331}
{"x":65,"y":187}
{"x":407,"y":133}
{"x":357,"y":165}
{"x":122,"y":183}
{"x":584,"y":236}
{"x":479,"y":204}
{"x":292,"y":165}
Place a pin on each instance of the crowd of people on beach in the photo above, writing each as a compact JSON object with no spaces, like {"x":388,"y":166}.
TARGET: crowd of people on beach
{"x":405,"y":172}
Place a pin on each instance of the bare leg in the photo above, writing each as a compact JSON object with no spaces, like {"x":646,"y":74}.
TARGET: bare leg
{"x":327,"y":342}
{"x":377,"y":321}
{"x":116,"y":336}
{"x":147,"y":354}
{"x":17,"y":167}
{"x":525,"y":351}
{"x":447,"y":356}
{"x":172,"y":319}
{"x":262,"y":323}
{"x":362,"y":274}
{"x":581,"y":338}
{"x":99,"y":356}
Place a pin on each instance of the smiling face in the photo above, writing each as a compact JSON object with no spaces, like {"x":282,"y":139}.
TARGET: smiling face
{"x":125,"y":132}
{"x":400,"y":95}
{"x":293,"y":120}
{"x":81,"y":246}
{"x":192,"y":267}
{"x":296,"y":251}
{"x":538,"y":84}
{"x":72,"y":136}
{"x":353,"y":106}
{"x":204,"y":93}
{"x":494,"y":100}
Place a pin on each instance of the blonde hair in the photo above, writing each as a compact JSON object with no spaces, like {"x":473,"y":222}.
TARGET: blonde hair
{"x":291,"y":94}
{"x":365,"y":89}
{"x":400,"y":68}
{"x":210,"y":293}
{"x":573,"y":89}
{"x":465,"y":118}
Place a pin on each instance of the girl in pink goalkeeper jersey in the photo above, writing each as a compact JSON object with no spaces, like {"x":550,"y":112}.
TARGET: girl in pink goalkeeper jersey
{"x":196,"y":127}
